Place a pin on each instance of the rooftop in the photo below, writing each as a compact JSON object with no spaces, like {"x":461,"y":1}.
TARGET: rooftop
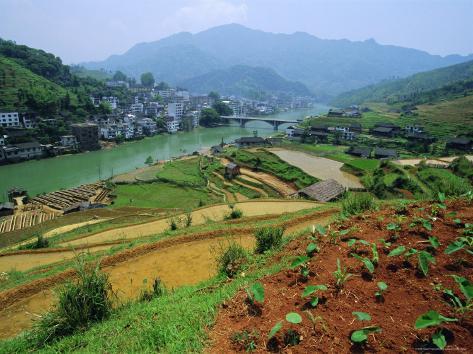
{"x":324,"y":191}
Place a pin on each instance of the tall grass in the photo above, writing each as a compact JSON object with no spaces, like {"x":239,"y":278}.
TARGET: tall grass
{"x":356,"y":203}
{"x":81,"y":303}
{"x":268,"y":238}
{"x":231,"y":260}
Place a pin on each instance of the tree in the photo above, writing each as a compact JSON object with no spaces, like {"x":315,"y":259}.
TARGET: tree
{"x":209,"y":117}
{"x":149,"y":161}
{"x":162,"y":86}
{"x":104,"y":108}
{"x":119,"y":76}
{"x":214,"y":95}
{"x":222,"y":108}
{"x":147,"y":79}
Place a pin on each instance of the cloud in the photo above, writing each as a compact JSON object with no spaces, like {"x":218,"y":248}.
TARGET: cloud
{"x":202,"y":14}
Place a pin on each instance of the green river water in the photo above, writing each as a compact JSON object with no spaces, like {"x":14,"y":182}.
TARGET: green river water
{"x":46,"y":175}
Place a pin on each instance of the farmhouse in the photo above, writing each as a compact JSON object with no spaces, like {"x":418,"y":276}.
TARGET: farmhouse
{"x":359,"y":151}
{"x":460,"y":143}
{"x":320,"y":136}
{"x":324,"y":191}
{"x":250,"y":141}
{"x":232,"y":170}
{"x":420,"y":137}
{"x":383,"y":132}
{"x":382,"y":153}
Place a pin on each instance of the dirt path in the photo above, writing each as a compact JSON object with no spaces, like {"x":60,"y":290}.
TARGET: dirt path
{"x":200,"y":216}
{"x":439,"y":161}
{"x":26,"y":261}
{"x":67,"y":228}
{"x":318,"y":167}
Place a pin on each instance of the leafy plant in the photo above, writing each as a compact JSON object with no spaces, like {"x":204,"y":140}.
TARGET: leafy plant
{"x":256,"y":293}
{"x":291,"y":317}
{"x":361,"y":335}
{"x":382,"y":286}
{"x":311,"y":249}
{"x":268,"y":238}
{"x":356,"y":203}
{"x":434,"y":242}
{"x":466,"y":287}
{"x":188,"y":218}
{"x":424,"y":258}
{"x":426,"y":224}
{"x":462,"y":242}
{"x":366,"y":261}
{"x":430,"y":319}
{"x":361,"y":316}
{"x":341,"y":275}
{"x":245,"y":340}
{"x":301,"y":261}
{"x":309,"y":290}
{"x":393,"y":227}
{"x":158,"y":289}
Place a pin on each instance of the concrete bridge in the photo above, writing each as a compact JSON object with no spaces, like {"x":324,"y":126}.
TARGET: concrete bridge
{"x":243,"y":120}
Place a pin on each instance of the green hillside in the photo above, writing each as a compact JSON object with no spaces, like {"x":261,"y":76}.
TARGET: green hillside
{"x":419,"y":88}
{"x":246,"y":81}
{"x":21,"y":89}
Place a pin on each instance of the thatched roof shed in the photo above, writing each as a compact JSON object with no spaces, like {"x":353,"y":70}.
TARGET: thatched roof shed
{"x":324,"y":191}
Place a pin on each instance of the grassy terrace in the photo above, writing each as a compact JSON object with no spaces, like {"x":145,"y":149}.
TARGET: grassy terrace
{"x":17,"y":278}
{"x":265,"y":161}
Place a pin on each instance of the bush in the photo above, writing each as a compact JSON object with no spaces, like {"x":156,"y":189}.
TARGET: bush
{"x":80,"y":304}
{"x":356,"y":203}
{"x":231,"y":260}
{"x":268,"y":238}
{"x":235,"y":213}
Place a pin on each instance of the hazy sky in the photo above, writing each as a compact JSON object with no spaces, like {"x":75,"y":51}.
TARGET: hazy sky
{"x":83,"y":30}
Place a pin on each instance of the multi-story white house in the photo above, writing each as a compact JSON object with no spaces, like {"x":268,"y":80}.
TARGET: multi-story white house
{"x":137,"y":108}
{"x":25,"y":151}
{"x":69,"y":141}
{"x":176,"y":109}
{"x":172,"y":125}
{"x":148,"y":126}
{"x":9,"y":119}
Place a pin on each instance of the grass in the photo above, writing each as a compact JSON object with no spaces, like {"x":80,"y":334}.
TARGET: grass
{"x":161,"y":195}
{"x":231,"y":260}
{"x":268,"y":238}
{"x":356,"y":203}
{"x":184,"y":171}
{"x":444,"y":181}
{"x":265,"y":161}
{"x":80,"y":304}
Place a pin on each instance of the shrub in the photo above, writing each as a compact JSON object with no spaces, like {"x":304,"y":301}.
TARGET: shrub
{"x":235,"y":213}
{"x":231,"y":260}
{"x":356,"y":203}
{"x":80,"y":304}
{"x":268,"y":238}
{"x":41,"y":242}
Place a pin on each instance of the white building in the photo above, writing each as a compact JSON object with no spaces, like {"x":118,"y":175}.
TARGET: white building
{"x":172,"y":125}
{"x":148,"y":126}
{"x":182,"y":96}
{"x":176,"y":109}
{"x":9,"y":119}
{"x":167,"y":94}
{"x":69,"y":141}
{"x":137,"y":108}
{"x":237,"y":107}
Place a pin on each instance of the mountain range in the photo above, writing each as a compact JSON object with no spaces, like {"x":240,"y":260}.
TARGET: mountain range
{"x":424,"y":86}
{"x":326,"y":67}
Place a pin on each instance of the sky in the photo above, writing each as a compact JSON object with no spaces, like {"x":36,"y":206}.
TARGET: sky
{"x":86,"y":30}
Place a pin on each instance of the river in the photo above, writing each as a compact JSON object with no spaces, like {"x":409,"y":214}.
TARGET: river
{"x":47,"y":175}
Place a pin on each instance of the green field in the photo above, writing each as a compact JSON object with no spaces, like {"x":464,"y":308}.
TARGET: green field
{"x":444,"y":181}
{"x":182,"y":171}
{"x":161,"y":195}
{"x":265,"y":161}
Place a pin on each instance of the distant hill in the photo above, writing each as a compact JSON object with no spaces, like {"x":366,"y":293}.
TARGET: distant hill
{"x":420,"y":87}
{"x":326,"y":67}
{"x":245,"y":81}
{"x":21,"y":89}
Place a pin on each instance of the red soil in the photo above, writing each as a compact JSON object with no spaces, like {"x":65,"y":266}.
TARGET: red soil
{"x":408,"y":296}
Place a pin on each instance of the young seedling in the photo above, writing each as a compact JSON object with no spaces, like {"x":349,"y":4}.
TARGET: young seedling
{"x":301,"y":261}
{"x":311,"y":249}
{"x":360,"y":336}
{"x":255,"y":293}
{"x":426,"y":224}
{"x":366,"y":261}
{"x":466,"y":287}
{"x":463,"y":242}
{"x":315,"y":320}
{"x":291,"y":317}
{"x":424,"y":259}
{"x":374,"y":251}
{"x":431,"y":319}
{"x":434,"y":242}
{"x":311,"y":289}
{"x":382,"y":286}
{"x":341,"y":276}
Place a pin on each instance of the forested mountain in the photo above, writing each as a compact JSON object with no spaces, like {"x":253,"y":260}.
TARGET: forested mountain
{"x":326,"y":67}
{"x":419,"y":88}
{"x":245,"y":81}
{"x":32,"y":80}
